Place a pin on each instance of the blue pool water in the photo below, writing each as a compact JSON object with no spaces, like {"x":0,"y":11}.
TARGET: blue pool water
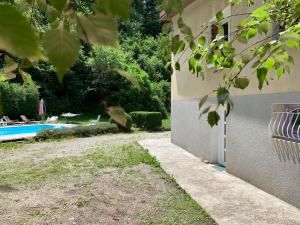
{"x":27,"y":129}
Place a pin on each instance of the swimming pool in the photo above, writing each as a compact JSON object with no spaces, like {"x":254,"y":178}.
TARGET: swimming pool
{"x":27,"y":129}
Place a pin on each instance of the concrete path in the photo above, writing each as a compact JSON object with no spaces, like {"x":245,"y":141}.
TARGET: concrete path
{"x":228,"y":199}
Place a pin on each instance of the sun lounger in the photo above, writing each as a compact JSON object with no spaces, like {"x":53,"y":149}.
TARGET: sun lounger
{"x":52,"y":119}
{"x":94,"y":122}
{"x":3,"y":123}
{"x":11,"y":122}
{"x":25,"y":120}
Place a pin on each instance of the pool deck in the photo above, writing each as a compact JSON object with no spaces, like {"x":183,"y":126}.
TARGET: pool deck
{"x":16,"y":137}
{"x":29,"y":135}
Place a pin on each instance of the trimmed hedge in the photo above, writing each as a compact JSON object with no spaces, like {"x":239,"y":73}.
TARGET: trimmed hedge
{"x":79,"y":131}
{"x":19,"y":100}
{"x":147,"y":120}
{"x":128,"y":124}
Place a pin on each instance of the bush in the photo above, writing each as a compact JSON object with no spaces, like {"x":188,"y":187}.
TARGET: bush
{"x":79,"y":131}
{"x":147,"y":120}
{"x":128,"y":124}
{"x":19,"y":100}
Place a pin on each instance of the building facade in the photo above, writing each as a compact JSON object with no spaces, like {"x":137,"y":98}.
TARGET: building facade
{"x":260,"y":140}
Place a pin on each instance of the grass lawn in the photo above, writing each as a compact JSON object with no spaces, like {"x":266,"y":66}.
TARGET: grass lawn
{"x":97,"y":180}
{"x":84,"y":118}
{"x":166,"y":123}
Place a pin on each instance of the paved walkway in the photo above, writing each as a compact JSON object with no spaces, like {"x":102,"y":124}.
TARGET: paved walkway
{"x":228,"y":199}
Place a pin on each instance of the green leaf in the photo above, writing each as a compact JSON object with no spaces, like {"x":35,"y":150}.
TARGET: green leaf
{"x":202,"y":41}
{"x":297,"y":9}
{"x":42,"y":5}
{"x":177,"y":44}
{"x":166,"y":28}
{"x":251,"y":33}
{"x":202,"y":101}
{"x":291,"y":60}
{"x":10,"y":65}
{"x":256,"y":64}
{"x":181,"y":46}
{"x":222,"y":95}
{"x":172,"y":6}
{"x":115,"y":7}
{"x":206,"y":110}
{"x":16,"y":34}
{"x":245,"y":58}
{"x":62,"y":49}
{"x":7,"y":76}
{"x":269,"y":63}
{"x":241,"y":82}
{"x":229,"y":107}
{"x":117,"y":114}
{"x":168,"y":65}
{"x":264,"y":27}
{"x":59,"y":4}
{"x":26,"y":77}
{"x":52,"y":14}
{"x":287,"y":69}
{"x":282,"y":57}
{"x":219,"y":16}
{"x":177,"y":66}
{"x":186,"y":30}
{"x":279,"y":72}
{"x":261,"y":12}
{"x":261,"y":76}
{"x":99,"y":29}
{"x":213,"y":118}
{"x":177,"y":5}
{"x":130,"y":77}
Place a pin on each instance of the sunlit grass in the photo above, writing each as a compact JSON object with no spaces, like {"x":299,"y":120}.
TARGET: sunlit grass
{"x":27,"y":172}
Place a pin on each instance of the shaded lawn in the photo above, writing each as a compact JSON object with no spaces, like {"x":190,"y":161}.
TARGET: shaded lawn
{"x":86,"y":118}
{"x":166,"y":123}
{"x":165,"y":204}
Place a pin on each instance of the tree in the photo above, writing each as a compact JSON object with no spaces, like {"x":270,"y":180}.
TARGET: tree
{"x":268,"y":52}
{"x":24,"y":43}
{"x":34,"y":30}
{"x":144,"y":18}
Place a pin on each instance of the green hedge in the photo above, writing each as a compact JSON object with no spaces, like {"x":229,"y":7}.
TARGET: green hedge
{"x":79,"y":131}
{"x":147,"y":120}
{"x":128,"y":124}
{"x":19,"y":100}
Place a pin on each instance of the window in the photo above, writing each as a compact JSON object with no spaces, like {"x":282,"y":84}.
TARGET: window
{"x":213,"y":28}
{"x":285,"y":123}
{"x":284,"y":128}
{"x":214,"y":31}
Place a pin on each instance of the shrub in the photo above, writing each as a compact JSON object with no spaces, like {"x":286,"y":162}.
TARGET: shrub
{"x":128,"y":124}
{"x":147,"y":120}
{"x":19,"y":100}
{"x":79,"y":131}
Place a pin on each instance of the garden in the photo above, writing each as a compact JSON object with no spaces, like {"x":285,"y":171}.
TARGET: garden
{"x":86,"y":168}
{"x":106,"y":179}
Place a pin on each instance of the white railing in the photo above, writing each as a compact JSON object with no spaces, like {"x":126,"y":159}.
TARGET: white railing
{"x":284,"y":128}
{"x":286,"y":125}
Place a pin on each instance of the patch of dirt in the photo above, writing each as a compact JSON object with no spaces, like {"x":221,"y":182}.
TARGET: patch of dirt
{"x":116,"y":196}
{"x":72,"y":147}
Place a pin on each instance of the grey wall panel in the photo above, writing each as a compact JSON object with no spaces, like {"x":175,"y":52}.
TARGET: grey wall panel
{"x":192,"y":133}
{"x":250,"y":154}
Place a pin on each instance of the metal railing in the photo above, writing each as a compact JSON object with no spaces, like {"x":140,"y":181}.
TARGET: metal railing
{"x":286,"y":125}
{"x":285,"y":132}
